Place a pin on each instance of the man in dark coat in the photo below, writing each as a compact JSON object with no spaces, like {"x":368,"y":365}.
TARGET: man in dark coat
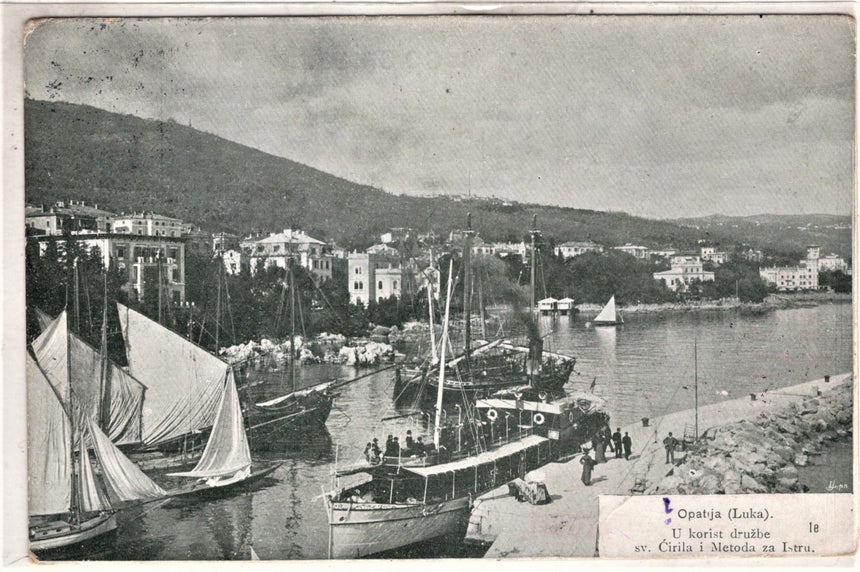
{"x":669,"y":443}
{"x":410,"y":443}
{"x":616,"y":441}
{"x":628,"y":444}
{"x":587,"y":466}
{"x":599,"y":446}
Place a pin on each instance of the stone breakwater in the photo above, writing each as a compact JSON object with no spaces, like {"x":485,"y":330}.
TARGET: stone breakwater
{"x":762,"y":455}
{"x":324,"y":348}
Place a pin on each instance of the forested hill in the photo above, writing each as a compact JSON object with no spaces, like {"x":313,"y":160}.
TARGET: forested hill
{"x":125,"y":163}
{"x":781,"y":232}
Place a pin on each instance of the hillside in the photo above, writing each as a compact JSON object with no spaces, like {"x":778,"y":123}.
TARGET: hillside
{"x":125,"y":163}
{"x":781,"y":232}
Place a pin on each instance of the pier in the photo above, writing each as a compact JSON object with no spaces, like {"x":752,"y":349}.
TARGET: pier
{"x":567,"y":527}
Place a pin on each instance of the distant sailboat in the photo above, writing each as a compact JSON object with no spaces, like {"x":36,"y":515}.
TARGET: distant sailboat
{"x":609,"y":316}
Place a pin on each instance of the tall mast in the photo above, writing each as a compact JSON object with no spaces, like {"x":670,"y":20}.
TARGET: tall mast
{"x":104,"y":388}
{"x":533,"y":315}
{"x":75,"y":501}
{"x":696,"y":383}
{"x":292,"y":322}
{"x":77,"y":328}
{"x":533,"y":232}
{"x":467,"y":286}
{"x":160,"y":292}
{"x":218,"y":315}
{"x":431,"y":288}
{"x":437,"y":428}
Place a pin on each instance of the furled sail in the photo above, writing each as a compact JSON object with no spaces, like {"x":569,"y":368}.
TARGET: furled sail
{"x":56,"y":345}
{"x":608,"y":314}
{"x":123,"y":479}
{"x":227,"y":450}
{"x":184,"y":382}
{"x":49,"y":435}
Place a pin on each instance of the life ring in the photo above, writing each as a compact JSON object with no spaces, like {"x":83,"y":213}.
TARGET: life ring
{"x":542,"y":395}
{"x":538,"y":418}
{"x":492,"y":415}
{"x":570,"y":416}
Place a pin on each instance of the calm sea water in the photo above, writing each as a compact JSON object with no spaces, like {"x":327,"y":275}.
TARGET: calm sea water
{"x":643,"y":369}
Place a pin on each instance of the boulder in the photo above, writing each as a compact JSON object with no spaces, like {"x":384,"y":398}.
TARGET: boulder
{"x":786,"y":485}
{"x":801,"y":460}
{"x":786,"y":453}
{"x":787,"y":472}
{"x":751,"y":485}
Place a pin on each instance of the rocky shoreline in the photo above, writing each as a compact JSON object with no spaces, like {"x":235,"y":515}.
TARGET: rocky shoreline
{"x":762,"y":455}
{"x":772,"y":302}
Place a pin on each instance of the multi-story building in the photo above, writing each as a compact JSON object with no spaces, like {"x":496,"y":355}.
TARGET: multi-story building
{"x":832,"y":262}
{"x":711,"y":254}
{"x":223,"y":241}
{"x":380,"y":272}
{"x":686,"y":269}
{"x":640,"y":252}
{"x":140,"y":258}
{"x":666,"y":253}
{"x":67,"y":216}
{"x":503,"y":249}
{"x":573,"y":248}
{"x":150,"y":224}
{"x":278,"y":249}
{"x":804,"y":276}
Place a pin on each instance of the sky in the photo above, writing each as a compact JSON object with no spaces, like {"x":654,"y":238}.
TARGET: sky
{"x":656,"y":116}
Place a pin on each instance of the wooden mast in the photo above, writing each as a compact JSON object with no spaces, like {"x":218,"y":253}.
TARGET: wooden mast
{"x":437,"y":428}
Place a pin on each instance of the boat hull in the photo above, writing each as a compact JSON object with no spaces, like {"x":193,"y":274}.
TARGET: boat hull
{"x":61,"y":534}
{"x":363,"y":530}
{"x":224,"y":488}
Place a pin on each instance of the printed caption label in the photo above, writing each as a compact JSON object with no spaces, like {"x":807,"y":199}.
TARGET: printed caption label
{"x":726,"y":525}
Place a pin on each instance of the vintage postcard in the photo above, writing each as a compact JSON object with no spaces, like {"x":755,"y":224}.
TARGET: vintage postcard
{"x":509,"y":286}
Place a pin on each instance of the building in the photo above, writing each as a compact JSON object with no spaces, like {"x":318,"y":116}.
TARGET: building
{"x":223,"y":241}
{"x":832,"y":263}
{"x":504,"y":249}
{"x":278,"y":249}
{"x":665,"y":254}
{"x":379,"y":273}
{"x":571,"y":249}
{"x":711,"y":254}
{"x":234,"y":260}
{"x":67,"y":216}
{"x":639,"y":252}
{"x":804,"y":276}
{"x":150,"y":224}
{"x":686,"y":269}
{"x":140,"y":259}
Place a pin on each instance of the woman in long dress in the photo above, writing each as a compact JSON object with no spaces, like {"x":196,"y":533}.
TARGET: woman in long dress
{"x":587,"y":466}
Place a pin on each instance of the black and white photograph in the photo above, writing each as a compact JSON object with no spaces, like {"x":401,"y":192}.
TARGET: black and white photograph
{"x":438,"y":286}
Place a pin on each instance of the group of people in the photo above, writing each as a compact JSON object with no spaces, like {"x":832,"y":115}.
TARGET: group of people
{"x":374,"y":454}
{"x":618,"y":444}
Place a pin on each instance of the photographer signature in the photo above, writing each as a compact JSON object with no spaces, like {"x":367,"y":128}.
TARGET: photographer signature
{"x":833,"y":486}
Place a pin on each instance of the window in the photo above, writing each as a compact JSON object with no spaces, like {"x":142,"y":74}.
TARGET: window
{"x":174,"y":253}
{"x":380,"y":285}
{"x":120,"y":252}
{"x":395,"y":285}
{"x":361,"y":285}
{"x":355,"y":285}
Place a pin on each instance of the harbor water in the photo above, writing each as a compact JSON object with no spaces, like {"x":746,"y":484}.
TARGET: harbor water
{"x":648,"y":367}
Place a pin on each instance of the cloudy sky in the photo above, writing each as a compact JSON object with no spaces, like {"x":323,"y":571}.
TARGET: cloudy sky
{"x":655,"y":116}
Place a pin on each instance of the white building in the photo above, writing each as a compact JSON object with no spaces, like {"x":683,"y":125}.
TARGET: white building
{"x":140,"y":258}
{"x":278,"y":249}
{"x":640,"y":252}
{"x":150,"y":224}
{"x":832,"y":262}
{"x":379,"y":273}
{"x":573,"y":248}
{"x":686,"y":269}
{"x":804,"y":276}
{"x":711,"y":254}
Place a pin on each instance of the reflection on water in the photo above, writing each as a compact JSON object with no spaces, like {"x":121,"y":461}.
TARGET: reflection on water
{"x":643,"y":368}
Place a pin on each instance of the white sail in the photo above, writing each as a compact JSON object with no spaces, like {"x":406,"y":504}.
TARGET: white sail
{"x":43,"y":318}
{"x":184,"y":382}
{"x":227,"y":450}
{"x":61,"y":352}
{"x":49,"y":435}
{"x":608,"y":314}
{"x":91,"y":498}
{"x":123,"y":479}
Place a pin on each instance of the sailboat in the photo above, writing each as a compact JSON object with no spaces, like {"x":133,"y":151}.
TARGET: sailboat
{"x":609,"y":315}
{"x":226,"y":460}
{"x":499,"y":364}
{"x":299,"y":410}
{"x":67,"y":504}
{"x":385,"y":506}
{"x":104,"y":392}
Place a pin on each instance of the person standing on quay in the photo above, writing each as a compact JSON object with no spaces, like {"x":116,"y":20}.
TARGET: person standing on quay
{"x":587,"y":466}
{"x":599,"y":446}
{"x":669,"y":443}
{"x":628,"y":444}
{"x":616,"y":441}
